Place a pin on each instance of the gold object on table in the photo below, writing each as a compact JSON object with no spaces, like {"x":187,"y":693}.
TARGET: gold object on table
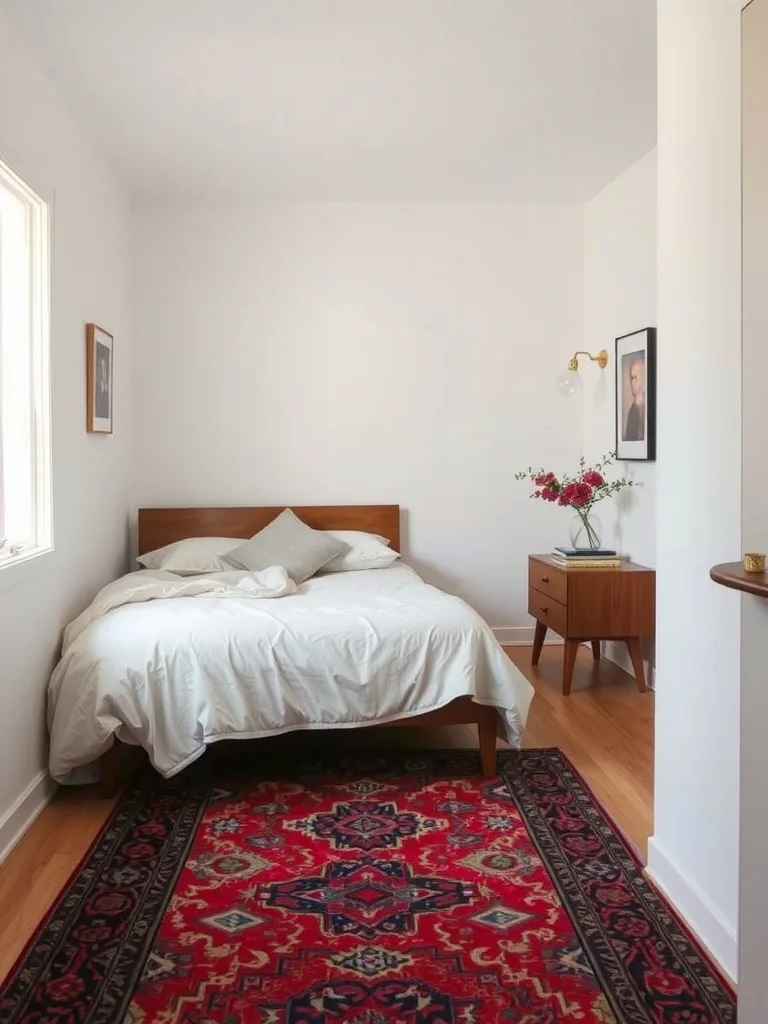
{"x":754,"y":563}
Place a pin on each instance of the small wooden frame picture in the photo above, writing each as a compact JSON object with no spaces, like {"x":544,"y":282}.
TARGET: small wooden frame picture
{"x":99,"y":357}
{"x":636,"y":396}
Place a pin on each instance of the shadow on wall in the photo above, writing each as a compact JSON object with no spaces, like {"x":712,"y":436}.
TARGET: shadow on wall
{"x":626,"y":504}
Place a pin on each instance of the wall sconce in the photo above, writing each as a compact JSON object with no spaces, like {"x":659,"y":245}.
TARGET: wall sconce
{"x":569,"y":382}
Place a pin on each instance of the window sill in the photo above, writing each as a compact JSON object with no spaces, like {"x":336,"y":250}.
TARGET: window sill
{"x":22,"y":567}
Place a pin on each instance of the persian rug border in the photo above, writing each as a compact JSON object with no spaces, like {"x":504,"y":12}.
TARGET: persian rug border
{"x":120,"y":956}
{"x":594,"y":799}
{"x":570,"y":880}
{"x":98,"y":934}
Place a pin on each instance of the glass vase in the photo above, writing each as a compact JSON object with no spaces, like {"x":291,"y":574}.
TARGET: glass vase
{"x":586,"y":532}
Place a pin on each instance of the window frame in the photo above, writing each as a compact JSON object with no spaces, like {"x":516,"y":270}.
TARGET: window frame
{"x":18,"y":565}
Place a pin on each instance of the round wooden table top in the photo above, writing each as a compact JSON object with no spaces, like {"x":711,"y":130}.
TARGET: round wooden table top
{"x":735,"y":576}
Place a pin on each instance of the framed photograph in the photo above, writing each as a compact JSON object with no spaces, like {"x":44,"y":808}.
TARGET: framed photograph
{"x":636,"y":396}
{"x":99,"y":361}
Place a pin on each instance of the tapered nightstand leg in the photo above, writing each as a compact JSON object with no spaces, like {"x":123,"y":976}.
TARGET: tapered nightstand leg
{"x":633,"y":645}
{"x":596,"y":650}
{"x":569,"y":660}
{"x":538,"y":641}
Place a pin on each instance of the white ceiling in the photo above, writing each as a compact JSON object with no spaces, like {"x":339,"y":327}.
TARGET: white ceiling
{"x":356,"y":99}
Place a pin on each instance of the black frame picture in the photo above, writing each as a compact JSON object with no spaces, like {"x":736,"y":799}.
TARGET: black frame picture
{"x":635,"y":392}
{"x":99,"y":362}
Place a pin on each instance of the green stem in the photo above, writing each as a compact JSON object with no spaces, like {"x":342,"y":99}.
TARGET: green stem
{"x":592,"y":538}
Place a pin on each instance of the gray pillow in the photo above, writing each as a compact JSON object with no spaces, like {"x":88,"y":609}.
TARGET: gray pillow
{"x":288,"y":542}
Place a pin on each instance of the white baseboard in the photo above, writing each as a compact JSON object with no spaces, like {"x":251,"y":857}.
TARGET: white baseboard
{"x":521,"y":636}
{"x":704,"y":919}
{"x":617,"y":652}
{"x":17,"y":819}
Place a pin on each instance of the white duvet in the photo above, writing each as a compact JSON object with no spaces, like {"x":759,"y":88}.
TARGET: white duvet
{"x":174,"y":663}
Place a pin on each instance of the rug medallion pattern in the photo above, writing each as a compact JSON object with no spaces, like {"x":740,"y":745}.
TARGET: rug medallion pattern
{"x":368,"y":891}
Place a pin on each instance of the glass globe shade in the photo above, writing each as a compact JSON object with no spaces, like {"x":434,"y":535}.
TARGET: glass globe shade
{"x":569,"y":383}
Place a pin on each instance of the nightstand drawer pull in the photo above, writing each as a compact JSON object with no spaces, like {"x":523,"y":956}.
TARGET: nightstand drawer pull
{"x":546,"y":609}
{"x":548,"y":580}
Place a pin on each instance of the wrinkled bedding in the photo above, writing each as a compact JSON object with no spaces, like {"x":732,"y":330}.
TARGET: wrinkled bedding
{"x":157,"y":584}
{"x":174,"y":663}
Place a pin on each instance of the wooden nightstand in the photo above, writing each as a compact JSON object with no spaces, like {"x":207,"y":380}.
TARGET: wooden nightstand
{"x":591,"y":604}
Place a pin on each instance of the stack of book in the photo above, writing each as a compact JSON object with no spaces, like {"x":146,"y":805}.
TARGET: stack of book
{"x":581,"y":558}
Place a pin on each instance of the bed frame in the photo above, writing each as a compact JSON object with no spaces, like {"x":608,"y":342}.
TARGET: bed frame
{"x":161,"y":526}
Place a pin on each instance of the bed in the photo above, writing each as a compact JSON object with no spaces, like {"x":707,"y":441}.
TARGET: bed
{"x":347,"y":650}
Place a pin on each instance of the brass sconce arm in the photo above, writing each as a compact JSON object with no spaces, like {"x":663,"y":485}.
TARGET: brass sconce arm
{"x":601,"y":359}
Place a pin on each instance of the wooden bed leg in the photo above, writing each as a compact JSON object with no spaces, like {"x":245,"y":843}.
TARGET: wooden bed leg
{"x":109,"y":764}
{"x":486,"y":734}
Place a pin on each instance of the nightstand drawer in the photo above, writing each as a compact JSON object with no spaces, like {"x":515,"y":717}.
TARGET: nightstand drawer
{"x":548,"y":580}
{"x":547,"y":610}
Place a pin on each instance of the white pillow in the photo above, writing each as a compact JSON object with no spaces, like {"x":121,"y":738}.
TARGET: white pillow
{"x":366,"y":551}
{"x":289,"y":542}
{"x":191,"y":556}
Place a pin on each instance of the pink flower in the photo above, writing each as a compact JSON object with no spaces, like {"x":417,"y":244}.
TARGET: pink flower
{"x":575,"y":494}
{"x":588,"y":487}
{"x":542,"y":479}
{"x":593,"y":478}
{"x":582,"y":495}
{"x":565,"y":495}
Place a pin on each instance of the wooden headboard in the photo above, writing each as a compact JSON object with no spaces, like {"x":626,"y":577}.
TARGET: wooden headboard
{"x":161,"y":526}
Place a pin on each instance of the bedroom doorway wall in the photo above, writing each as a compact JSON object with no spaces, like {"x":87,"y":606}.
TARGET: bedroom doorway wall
{"x":754,"y":612}
{"x":694,"y":853}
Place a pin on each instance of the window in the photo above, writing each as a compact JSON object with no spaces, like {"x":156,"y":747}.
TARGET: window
{"x":25,"y":458}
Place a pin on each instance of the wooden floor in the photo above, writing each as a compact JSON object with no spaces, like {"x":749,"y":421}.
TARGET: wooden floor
{"x":605,"y":727}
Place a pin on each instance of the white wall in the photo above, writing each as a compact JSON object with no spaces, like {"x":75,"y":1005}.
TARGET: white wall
{"x":753,"y":929}
{"x":335,"y":353}
{"x":462,"y":315}
{"x":620,"y":296}
{"x":90,"y":281}
{"x":694,"y":852}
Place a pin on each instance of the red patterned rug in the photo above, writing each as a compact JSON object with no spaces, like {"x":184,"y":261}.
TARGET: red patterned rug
{"x":373,"y":890}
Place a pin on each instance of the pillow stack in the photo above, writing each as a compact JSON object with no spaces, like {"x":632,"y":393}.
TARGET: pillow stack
{"x":286,"y":541}
{"x":191,"y":557}
{"x":364,"y":551}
